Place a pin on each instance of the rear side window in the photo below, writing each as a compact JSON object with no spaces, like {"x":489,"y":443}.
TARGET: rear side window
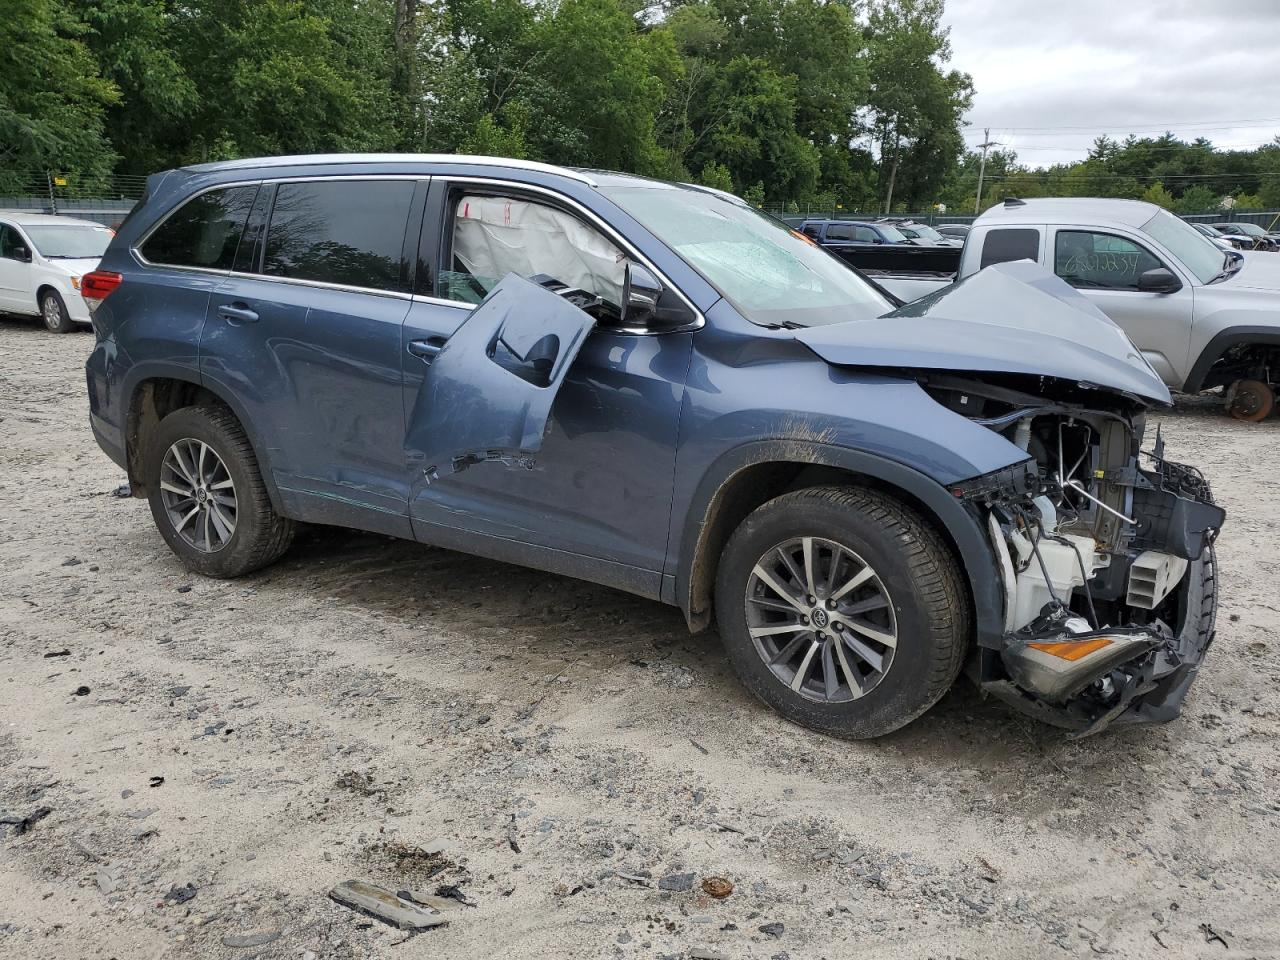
{"x":204,"y":231}
{"x":348,"y":232}
{"x":1003,"y":246}
{"x":840,"y":231}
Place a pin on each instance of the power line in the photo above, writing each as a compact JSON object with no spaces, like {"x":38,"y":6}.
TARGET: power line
{"x":1220,"y":125}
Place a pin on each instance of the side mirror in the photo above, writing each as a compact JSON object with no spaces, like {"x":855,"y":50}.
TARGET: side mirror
{"x":22,"y":254}
{"x":1159,"y":280}
{"x":647,"y":304}
{"x":641,"y":291}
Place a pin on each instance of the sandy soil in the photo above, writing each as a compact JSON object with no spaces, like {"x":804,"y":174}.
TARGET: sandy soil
{"x":345,"y":712}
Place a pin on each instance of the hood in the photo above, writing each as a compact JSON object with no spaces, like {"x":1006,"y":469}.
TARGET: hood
{"x":1008,"y":318}
{"x":75,"y":268}
{"x":1260,"y":271}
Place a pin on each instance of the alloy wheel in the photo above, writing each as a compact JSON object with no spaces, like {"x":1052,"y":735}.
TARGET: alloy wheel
{"x":52,"y":312}
{"x":199,"y":495}
{"x":821,"y":619}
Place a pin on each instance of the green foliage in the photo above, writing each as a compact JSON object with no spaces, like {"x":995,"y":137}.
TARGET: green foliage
{"x":1157,"y":194}
{"x":716,"y":175}
{"x":53,"y":97}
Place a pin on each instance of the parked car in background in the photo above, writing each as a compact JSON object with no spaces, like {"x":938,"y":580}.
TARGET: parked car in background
{"x":659,"y":388}
{"x":833,"y":232}
{"x":1258,"y":238}
{"x":925,"y":235}
{"x":1202,"y":316}
{"x":1221,"y":239}
{"x":42,"y":259}
{"x":957,"y":231}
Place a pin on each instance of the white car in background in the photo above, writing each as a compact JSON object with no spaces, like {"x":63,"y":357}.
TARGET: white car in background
{"x":42,"y":259}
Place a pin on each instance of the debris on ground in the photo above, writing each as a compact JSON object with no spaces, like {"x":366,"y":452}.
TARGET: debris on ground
{"x":677,"y":882}
{"x":122,"y":491}
{"x":181,"y":894}
{"x":705,"y":953}
{"x":1211,"y":935}
{"x":57,"y":653}
{"x":155,"y":782}
{"x":451,"y":891}
{"x":254,"y":938}
{"x":382,"y":904}
{"x":771,"y":929}
{"x":22,"y":824}
{"x":717,"y":887}
{"x":81,"y":692}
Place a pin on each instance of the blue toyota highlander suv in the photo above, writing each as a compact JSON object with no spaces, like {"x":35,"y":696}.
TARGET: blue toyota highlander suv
{"x":656,"y":387}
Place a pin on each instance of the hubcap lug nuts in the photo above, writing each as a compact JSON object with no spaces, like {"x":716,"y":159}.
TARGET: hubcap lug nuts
{"x":804,"y":619}
{"x":812,"y":601}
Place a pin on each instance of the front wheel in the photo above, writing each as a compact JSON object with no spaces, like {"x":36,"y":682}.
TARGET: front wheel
{"x":843,"y":610}
{"x":54,"y":312}
{"x":207,"y":496}
{"x":1251,"y":400}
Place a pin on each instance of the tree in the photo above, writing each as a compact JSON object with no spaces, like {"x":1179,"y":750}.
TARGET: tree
{"x":915,"y":107}
{"x":53,"y":100}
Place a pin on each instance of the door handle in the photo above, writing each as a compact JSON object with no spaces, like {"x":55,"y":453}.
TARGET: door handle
{"x":426,"y":349}
{"x":237,"y":313}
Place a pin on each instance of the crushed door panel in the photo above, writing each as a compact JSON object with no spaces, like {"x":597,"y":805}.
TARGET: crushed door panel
{"x":488,"y":389}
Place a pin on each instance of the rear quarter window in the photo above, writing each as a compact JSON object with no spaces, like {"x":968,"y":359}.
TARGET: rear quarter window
{"x":203,"y":232}
{"x":1010,"y":243}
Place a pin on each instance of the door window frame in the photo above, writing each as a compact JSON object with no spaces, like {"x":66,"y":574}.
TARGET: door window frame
{"x":437,"y":241}
{"x":1162,"y":260}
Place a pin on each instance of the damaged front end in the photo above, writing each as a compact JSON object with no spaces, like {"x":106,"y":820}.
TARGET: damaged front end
{"x":1105,"y":553}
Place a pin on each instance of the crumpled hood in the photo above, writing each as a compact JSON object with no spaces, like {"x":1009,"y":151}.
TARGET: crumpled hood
{"x":1260,"y":271}
{"x":1008,"y":318}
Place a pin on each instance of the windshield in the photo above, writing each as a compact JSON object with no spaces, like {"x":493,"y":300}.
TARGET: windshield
{"x":921,"y":230}
{"x":71,"y":242}
{"x":773,"y":275}
{"x":1252,"y":229}
{"x":1197,"y":252}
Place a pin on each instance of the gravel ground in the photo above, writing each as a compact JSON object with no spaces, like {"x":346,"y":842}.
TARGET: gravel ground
{"x":569,"y":758}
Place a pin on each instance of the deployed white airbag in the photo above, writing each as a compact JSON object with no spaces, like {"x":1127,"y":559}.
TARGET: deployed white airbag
{"x":494,"y":236}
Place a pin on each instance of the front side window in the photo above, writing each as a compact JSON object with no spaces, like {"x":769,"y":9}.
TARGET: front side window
{"x":769,"y":273}
{"x":495,"y":236}
{"x":9,"y":242}
{"x":892,"y":234}
{"x":71,"y":242}
{"x":865,"y":235}
{"x":203,"y":232}
{"x":1009,"y":244}
{"x":344,"y":232}
{"x":1100,"y":261}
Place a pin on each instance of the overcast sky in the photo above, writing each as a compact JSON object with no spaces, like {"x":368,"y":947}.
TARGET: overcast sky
{"x":1196,"y":67}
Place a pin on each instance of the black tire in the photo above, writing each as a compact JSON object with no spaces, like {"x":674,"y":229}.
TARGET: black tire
{"x":53,"y":311}
{"x":261,"y":535}
{"x":930,"y":603}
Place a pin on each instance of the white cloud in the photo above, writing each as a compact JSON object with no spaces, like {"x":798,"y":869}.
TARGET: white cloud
{"x":1196,"y":67}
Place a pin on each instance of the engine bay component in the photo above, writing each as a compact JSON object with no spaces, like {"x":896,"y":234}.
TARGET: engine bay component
{"x":1152,"y":576}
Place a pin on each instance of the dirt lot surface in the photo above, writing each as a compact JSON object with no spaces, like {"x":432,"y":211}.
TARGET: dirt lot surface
{"x":582,"y":760}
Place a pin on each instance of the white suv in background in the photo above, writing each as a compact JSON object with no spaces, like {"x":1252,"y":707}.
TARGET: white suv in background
{"x":42,"y":259}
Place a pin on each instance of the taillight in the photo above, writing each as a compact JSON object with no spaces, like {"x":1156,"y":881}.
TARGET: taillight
{"x":97,"y":286}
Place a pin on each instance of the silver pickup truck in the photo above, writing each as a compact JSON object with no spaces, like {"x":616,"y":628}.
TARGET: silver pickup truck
{"x":1203,"y":317}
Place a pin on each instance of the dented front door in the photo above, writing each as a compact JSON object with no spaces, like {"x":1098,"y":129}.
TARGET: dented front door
{"x":488,"y":388}
{"x":597,"y":481}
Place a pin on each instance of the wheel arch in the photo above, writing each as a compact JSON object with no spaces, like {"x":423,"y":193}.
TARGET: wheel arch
{"x":1223,"y":341}
{"x":748,"y":476}
{"x":155,"y":394}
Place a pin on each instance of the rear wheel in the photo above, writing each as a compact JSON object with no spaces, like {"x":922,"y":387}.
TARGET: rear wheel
{"x":843,"y":610}
{"x":1251,"y":400}
{"x":207,"y":496}
{"x":54,"y":312}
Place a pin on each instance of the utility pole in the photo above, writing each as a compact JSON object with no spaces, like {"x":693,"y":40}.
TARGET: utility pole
{"x":986,"y":144}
